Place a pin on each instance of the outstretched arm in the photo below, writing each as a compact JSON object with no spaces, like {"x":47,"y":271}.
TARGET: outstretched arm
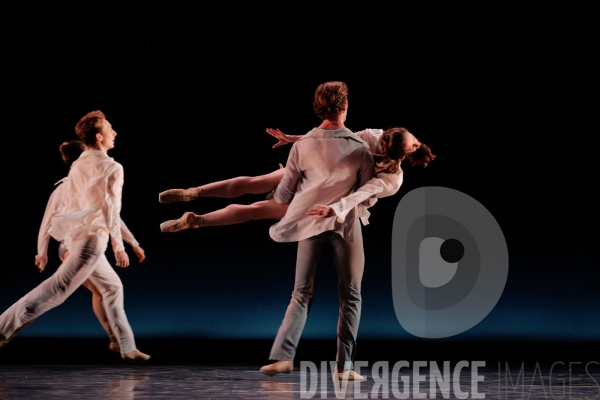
{"x":282,"y":137}
{"x":383,"y":185}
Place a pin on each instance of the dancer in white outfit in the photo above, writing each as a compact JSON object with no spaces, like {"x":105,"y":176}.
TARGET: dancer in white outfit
{"x":389,"y":149}
{"x":91,"y":213}
{"x":70,"y":152}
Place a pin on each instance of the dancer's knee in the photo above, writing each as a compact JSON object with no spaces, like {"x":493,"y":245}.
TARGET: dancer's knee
{"x":350,"y":293}
{"x":31,"y":308}
{"x":112,"y":291}
{"x":244,"y":212}
{"x":303,"y":293}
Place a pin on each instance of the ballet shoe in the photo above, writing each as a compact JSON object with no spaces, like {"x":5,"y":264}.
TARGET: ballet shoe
{"x":188,"y":220}
{"x":114,"y":346}
{"x":135,"y":357}
{"x":349,"y":375}
{"x":280,"y":367}
{"x":174,"y":195}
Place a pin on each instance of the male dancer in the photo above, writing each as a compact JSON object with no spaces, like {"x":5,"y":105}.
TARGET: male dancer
{"x":325,"y":165}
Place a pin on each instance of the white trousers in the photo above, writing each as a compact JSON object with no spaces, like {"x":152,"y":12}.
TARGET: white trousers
{"x":86,"y":261}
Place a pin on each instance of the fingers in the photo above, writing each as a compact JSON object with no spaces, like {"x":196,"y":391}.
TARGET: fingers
{"x":272,"y":132}
{"x":123,"y":261}
{"x":280,"y":166}
{"x":142,"y":257}
{"x":318,"y":211}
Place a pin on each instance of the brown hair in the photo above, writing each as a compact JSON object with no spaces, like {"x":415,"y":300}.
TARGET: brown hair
{"x":70,"y":151}
{"x":392,"y":143}
{"x":88,"y":126}
{"x":330,"y":100}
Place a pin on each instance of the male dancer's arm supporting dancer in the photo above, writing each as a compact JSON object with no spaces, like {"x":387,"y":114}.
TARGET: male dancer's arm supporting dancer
{"x":389,"y":147}
{"x":70,"y":152}
{"x":90,"y":214}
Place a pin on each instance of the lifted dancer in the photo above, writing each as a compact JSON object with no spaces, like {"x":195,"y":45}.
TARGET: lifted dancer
{"x":389,"y":149}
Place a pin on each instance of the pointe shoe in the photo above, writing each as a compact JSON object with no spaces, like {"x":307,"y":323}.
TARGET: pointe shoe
{"x":174,"y":195}
{"x":135,"y":357}
{"x":114,"y":346}
{"x":349,"y":375}
{"x":187,"y":221}
{"x":280,"y":367}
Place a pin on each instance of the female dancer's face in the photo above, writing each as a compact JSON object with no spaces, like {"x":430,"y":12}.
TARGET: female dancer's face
{"x":107,"y":137}
{"x":411,"y":143}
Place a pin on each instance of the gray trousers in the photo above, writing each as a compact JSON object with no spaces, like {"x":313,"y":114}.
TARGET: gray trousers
{"x":86,"y":260}
{"x":349,"y":262}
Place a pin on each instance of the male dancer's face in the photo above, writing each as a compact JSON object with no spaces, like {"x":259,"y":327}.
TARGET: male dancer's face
{"x":107,"y":136}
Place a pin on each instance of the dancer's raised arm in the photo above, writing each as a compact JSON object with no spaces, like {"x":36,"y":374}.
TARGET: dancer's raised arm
{"x":282,"y":137}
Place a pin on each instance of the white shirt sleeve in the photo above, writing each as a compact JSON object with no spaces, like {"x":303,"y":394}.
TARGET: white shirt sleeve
{"x":54,"y":203}
{"x":383,"y":185}
{"x":127,"y":235}
{"x":111,"y":207}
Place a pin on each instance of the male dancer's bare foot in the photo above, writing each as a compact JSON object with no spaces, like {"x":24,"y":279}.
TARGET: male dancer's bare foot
{"x":280,"y":367}
{"x":135,"y":357}
{"x":187,"y":221}
{"x":349,"y":375}
{"x":174,"y":195}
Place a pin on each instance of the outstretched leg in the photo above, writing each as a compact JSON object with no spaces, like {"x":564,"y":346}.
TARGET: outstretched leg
{"x":228,"y":188}
{"x":86,"y":252}
{"x":310,"y":253}
{"x":230,"y":215}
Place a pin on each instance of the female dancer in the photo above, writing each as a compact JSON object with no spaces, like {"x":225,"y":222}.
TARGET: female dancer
{"x":70,"y":152}
{"x":90,"y":214}
{"x":389,"y":148}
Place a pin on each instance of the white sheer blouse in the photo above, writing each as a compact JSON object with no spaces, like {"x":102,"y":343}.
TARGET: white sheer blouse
{"x":91,"y":198}
{"x":382,"y":185}
{"x":55,"y":203}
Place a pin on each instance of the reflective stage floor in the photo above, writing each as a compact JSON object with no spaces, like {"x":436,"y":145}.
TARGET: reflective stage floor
{"x":32,"y":368}
{"x":245,"y":382}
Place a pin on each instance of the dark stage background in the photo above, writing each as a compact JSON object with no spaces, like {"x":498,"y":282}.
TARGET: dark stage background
{"x":501,"y":99}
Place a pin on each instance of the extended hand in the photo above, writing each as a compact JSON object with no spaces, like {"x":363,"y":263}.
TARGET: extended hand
{"x":41,"y":264}
{"x":320,"y":211}
{"x":122,"y":259}
{"x":280,"y":136}
{"x":139,"y":252}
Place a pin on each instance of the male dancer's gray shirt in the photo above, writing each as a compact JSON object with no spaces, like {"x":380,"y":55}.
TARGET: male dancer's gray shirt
{"x":323,"y":167}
